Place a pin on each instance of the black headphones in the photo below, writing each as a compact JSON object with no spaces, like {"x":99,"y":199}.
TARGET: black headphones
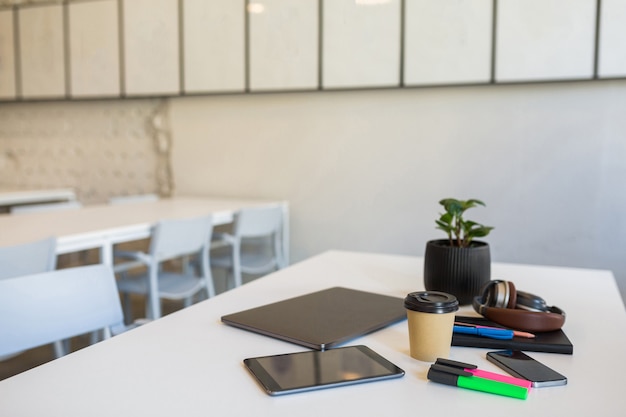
{"x":501,"y":303}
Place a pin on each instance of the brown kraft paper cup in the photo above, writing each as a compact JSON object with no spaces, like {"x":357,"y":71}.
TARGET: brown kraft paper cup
{"x":430,"y":317}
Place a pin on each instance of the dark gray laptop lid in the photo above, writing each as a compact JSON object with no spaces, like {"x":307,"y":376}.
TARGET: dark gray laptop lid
{"x":322,"y":319}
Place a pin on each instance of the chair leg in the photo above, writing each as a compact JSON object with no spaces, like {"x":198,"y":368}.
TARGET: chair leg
{"x":230,"y":278}
{"x":128,"y":308}
{"x":149,"y":313}
{"x":206,"y":273}
{"x":153,"y":302}
{"x":59,"y":349}
{"x":210,"y":284}
{"x":188,"y":265}
{"x":106,"y":333}
{"x":94,"y":337}
{"x":237,"y":279}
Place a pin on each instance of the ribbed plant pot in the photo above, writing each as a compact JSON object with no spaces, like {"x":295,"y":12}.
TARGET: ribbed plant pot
{"x":461,"y":272}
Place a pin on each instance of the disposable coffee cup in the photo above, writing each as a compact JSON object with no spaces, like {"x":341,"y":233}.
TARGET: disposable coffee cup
{"x":430,"y":316}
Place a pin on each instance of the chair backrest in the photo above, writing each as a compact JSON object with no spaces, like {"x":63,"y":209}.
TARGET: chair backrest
{"x":35,"y":208}
{"x":130,"y":199}
{"x":42,"y":308}
{"x":179,"y":237}
{"x":28,"y":258}
{"x":258,"y":221}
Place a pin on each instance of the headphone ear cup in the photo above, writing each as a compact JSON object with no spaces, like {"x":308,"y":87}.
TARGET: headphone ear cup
{"x":500,"y":294}
{"x":530,"y":302}
{"x":487,"y":294}
{"x":512,"y":295}
{"x":492,"y":294}
{"x":496,"y":294}
{"x":524,"y":320}
{"x":479,"y":304}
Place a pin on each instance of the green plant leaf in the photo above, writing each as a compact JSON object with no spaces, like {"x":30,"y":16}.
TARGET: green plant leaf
{"x":481,"y":231}
{"x":471,"y":224}
{"x":446,"y":218}
{"x":452,"y":206}
{"x":473,"y":202}
{"x":443,"y":226}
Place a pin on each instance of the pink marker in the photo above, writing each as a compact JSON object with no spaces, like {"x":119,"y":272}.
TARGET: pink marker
{"x":499,"y":377}
{"x":473,"y":369}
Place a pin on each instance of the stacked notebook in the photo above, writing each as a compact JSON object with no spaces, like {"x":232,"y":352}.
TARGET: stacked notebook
{"x":552,"y":342}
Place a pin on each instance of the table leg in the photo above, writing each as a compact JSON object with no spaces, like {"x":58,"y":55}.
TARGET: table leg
{"x":106,"y":253}
{"x":285,"y":227}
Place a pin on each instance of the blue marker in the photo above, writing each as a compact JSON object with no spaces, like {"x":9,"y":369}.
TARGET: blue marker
{"x":502,"y":334}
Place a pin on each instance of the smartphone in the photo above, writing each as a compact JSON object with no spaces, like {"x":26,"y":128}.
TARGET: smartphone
{"x":310,"y":370}
{"x":518,"y":364}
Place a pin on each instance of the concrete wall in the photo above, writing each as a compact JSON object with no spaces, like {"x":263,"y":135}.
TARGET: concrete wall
{"x":100,"y":148}
{"x":364,"y":170}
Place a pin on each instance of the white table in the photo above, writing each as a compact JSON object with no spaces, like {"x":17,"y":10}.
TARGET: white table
{"x":190,"y":364}
{"x":9,"y":198}
{"x":102,"y":226}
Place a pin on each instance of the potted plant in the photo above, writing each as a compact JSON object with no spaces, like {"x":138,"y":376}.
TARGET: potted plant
{"x":458,"y":265}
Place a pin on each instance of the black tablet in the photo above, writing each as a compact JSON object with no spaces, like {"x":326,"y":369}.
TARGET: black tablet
{"x":306,"y":371}
{"x":323,"y":319}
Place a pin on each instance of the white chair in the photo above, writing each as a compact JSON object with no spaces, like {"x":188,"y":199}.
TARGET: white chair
{"x":73,"y":259}
{"x":41,"y":308}
{"x":35,"y":208}
{"x":130,"y":199}
{"x":28,"y":258}
{"x":25,"y":259}
{"x":171,"y":239}
{"x":136,"y":245}
{"x":254,"y":246}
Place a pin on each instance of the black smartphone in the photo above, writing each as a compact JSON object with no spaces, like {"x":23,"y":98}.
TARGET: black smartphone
{"x":519,"y":364}
{"x":306,"y":371}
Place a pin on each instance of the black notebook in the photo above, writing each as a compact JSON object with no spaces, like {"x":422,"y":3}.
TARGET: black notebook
{"x":552,"y":342}
{"x":322,"y":319}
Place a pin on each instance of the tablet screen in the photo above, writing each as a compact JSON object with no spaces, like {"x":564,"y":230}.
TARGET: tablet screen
{"x":305,"y":371}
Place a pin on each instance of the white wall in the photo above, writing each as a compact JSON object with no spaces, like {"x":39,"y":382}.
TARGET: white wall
{"x":364,"y":170}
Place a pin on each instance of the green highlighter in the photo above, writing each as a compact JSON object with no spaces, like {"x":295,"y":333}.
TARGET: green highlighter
{"x":462,"y":379}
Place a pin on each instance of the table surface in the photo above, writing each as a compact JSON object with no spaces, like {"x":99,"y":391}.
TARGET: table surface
{"x":189,"y":363}
{"x":103,"y":225}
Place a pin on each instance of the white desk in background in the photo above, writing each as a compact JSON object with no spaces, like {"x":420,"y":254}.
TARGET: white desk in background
{"x":102,"y":226}
{"x":10,"y":198}
{"x":190,"y":364}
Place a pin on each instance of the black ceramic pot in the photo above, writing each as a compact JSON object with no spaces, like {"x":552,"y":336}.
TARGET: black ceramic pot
{"x":458,"y":271}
